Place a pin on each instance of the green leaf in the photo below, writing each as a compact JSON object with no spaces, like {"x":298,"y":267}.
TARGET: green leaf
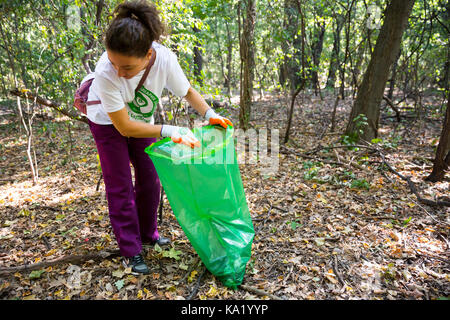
{"x":406,"y":221}
{"x":158,"y":248}
{"x":376,"y":140}
{"x":119,"y":284}
{"x":36,"y":274}
{"x":172,"y":253}
{"x":182,"y":266}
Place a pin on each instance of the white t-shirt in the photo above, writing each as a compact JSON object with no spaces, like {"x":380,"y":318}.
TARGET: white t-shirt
{"x":116,"y":92}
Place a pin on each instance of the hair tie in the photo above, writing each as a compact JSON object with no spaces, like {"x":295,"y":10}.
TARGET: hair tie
{"x":133,"y":16}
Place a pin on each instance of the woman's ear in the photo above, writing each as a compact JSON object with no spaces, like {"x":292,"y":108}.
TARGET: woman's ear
{"x":149,"y":53}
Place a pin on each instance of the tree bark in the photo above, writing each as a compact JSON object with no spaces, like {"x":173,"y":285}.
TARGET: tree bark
{"x":372,"y":87}
{"x":342,"y":68}
{"x":393,"y":76}
{"x":302,"y":84}
{"x":87,"y":56}
{"x":291,"y":44}
{"x":317,"y":47}
{"x":229,"y":76}
{"x":198,"y":59}
{"x":247,"y":62}
{"x":334,"y":63}
{"x":442,"y":160}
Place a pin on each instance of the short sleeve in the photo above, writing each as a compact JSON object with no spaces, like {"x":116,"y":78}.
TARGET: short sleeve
{"x":176,"y":82}
{"x":109,"y":94}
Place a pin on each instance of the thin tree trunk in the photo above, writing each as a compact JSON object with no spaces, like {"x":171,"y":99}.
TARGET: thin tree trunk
{"x":334,"y":63}
{"x":290,"y":45}
{"x":29,"y":132}
{"x":247,"y":63}
{"x":393,"y":76}
{"x":229,"y":76}
{"x":442,"y":159}
{"x":302,"y":85}
{"x":316,"y":53}
{"x":346,"y":54}
{"x":92,"y":41}
{"x":372,"y":88}
{"x":198,"y":59}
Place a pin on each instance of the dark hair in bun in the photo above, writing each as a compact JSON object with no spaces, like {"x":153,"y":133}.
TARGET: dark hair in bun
{"x":135,"y":26}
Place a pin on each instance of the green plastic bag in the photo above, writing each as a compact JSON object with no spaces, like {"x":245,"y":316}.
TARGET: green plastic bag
{"x":204,"y":188}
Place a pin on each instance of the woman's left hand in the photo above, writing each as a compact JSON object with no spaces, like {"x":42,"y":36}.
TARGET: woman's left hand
{"x":214,"y":118}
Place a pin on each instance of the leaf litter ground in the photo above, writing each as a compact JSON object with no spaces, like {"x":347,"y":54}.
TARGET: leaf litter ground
{"x":334,"y":224}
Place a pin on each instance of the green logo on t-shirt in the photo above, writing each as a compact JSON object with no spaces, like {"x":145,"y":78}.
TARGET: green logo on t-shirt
{"x":144,"y":104}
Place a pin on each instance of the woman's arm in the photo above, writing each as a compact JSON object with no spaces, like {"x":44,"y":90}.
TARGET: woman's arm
{"x":128,"y":128}
{"x":196,"y":101}
{"x":199,"y":104}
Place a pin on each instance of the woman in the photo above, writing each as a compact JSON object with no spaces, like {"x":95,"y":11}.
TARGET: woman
{"x":122,"y":123}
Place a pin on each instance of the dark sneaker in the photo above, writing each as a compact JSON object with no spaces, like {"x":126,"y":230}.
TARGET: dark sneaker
{"x":137,"y":264}
{"x":162,"y":241}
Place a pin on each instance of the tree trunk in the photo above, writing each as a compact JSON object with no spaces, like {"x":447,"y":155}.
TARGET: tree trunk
{"x":334,"y":63}
{"x":316,"y":53}
{"x":229,"y":76}
{"x":393,"y":76}
{"x":347,"y":44}
{"x":92,"y":41}
{"x":302,"y":84}
{"x":442,"y":160}
{"x":291,"y":46}
{"x":198,"y":60}
{"x":247,"y":62}
{"x":372,"y":87}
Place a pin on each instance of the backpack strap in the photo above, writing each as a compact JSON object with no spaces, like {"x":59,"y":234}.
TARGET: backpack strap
{"x":147,"y":70}
{"x":91,"y":103}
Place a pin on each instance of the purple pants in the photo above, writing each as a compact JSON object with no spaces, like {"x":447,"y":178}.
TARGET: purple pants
{"x":132,"y":208}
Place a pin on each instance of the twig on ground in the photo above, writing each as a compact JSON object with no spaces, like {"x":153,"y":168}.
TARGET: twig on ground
{"x":98,"y":182}
{"x":72,"y":259}
{"x":429,"y":214}
{"x":259,"y":292}
{"x":336,"y":271}
{"x":412,"y":186}
{"x":197,"y":285}
{"x":47,"y":243}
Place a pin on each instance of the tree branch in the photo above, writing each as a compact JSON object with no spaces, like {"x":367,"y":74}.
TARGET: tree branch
{"x":43,"y":101}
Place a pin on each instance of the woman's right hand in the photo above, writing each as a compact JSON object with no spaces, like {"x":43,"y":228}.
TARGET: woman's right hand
{"x":181,"y":135}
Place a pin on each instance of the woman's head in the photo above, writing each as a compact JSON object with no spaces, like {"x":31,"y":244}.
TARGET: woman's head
{"x":130,"y":35}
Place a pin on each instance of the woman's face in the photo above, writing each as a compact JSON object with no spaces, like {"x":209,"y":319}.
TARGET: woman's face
{"x":128,"y":66}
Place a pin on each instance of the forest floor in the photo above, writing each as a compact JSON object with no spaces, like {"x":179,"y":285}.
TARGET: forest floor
{"x":330,"y":223}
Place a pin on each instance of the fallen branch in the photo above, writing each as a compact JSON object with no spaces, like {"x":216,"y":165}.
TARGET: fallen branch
{"x":439,"y":222}
{"x":259,"y":292}
{"x":336,"y":271}
{"x":411,"y":184}
{"x":197,"y":285}
{"x":339,"y":163}
{"x":72,"y":259}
